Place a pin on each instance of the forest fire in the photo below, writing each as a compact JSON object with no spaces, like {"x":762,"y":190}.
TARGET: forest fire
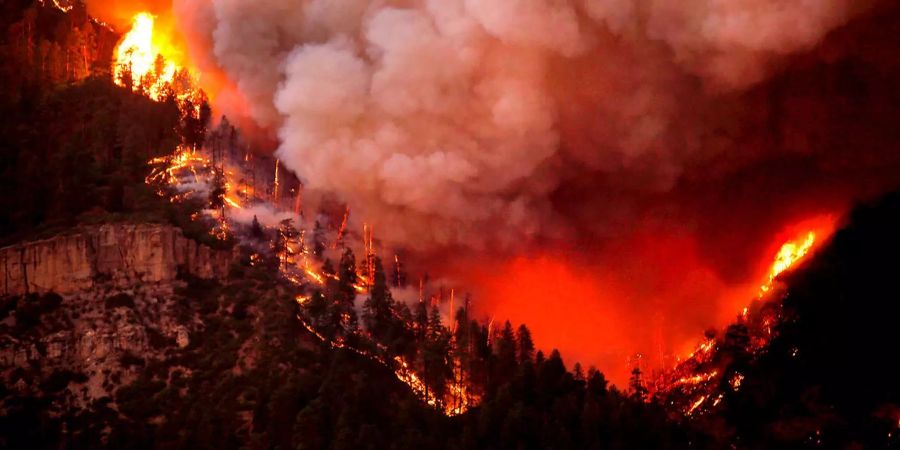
{"x":620,"y":303}
{"x":228,"y":224}
{"x":146,"y":61}
{"x":193,"y":174}
{"x":790,"y":253}
{"x":697,"y":378}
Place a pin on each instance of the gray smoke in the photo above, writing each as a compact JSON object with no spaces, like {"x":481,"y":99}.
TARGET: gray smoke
{"x":461,"y":121}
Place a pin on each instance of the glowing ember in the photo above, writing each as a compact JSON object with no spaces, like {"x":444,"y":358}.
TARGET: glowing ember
{"x":695,"y":405}
{"x":697,"y":379}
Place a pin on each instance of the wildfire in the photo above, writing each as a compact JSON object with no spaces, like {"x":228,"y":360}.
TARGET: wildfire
{"x":695,"y":405}
{"x":145,"y":65}
{"x":698,"y":378}
{"x":145,"y":61}
{"x":790,"y":253}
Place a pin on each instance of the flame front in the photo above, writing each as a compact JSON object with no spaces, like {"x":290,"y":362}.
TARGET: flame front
{"x":147,"y":62}
{"x":698,"y":379}
{"x":788,"y":255}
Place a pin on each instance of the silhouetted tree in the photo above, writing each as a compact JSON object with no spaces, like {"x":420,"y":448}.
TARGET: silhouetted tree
{"x":285,"y":237}
{"x":636,"y":385}
{"x":525,"y":344}
{"x":256,"y":230}
{"x":378,"y":307}
{"x":506,"y":352}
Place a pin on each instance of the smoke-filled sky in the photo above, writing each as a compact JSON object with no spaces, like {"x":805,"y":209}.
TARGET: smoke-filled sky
{"x":646,"y":154}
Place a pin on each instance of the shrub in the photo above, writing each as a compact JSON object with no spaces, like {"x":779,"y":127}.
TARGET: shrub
{"x":128,"y":359}
{"x":50,"y":302}
{"x":119,"y":300}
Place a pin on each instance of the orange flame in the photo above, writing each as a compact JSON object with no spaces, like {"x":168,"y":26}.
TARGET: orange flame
{"x":151,"y":61}
{"x":790,"y":252}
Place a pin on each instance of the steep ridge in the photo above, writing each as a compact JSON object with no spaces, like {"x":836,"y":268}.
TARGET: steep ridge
{"x":125,"y":254}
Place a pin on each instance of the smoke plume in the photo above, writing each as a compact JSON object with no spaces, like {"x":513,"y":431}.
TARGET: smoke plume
{"x":651,"y":149}
{"x":456,"y":121}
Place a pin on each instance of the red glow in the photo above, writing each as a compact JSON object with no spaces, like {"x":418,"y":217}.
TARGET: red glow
{"x":651,"y":294}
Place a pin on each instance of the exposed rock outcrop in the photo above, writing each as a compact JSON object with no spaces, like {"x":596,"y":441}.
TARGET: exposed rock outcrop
{"x":124,"y":254}
{"x":51,"y":46}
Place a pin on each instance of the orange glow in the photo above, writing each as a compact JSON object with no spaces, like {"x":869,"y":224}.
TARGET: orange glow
{"x":153,"y":62}
{"x":695,"y":405}
{"x":650,"y":293}
{"x":790,"y":253}
{"x":565,"y":308}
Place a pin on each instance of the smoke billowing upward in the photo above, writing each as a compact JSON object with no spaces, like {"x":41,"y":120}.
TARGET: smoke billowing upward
{"x":658,"y":143}
{"x":462,"y":122}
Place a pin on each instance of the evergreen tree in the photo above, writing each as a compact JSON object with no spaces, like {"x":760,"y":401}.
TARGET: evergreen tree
{"x":217,"y":191}
{"x":578,"y":372}
{"x":347,"y":276}
{"x":378,"y":307}
{"x":525,"y":344}
{"x":317,"y":308}
{"x":346,"y":292}
{"x":420,"y":321}
{"x":285,"y":238}
{"x":596,"y":383}
{"x":438,"y":369}
{"x":256,"y":230}
{"x":636,"y":385}
{"x":506,"y":352}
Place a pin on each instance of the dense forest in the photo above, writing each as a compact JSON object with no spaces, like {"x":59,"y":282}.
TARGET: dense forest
{"x":829,"y":378}
{"x":74,"y":146}
{"x":74,"y":149}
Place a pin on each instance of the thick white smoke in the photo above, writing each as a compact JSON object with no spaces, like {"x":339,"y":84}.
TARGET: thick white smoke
{"x":457,"y":120}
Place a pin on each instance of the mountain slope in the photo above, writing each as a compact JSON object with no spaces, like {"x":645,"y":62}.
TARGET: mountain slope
{"x":829,"y":375}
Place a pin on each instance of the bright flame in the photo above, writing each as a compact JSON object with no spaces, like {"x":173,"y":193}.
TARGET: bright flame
{"x":790,"y":253}
{"x":150,"y":61}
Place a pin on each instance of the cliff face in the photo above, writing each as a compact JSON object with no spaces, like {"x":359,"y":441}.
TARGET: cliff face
{"x":47,"y":45}
{"x":104,"y":334}
{"x":99,"y":302}
{"x":123,"y":254}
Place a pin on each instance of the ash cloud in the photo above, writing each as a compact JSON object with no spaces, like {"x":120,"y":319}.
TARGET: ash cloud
{"x":461,"y":121}
{"x":653,"y":149}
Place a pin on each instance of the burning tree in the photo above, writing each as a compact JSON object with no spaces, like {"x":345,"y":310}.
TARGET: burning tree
{"x":379,"y":308}
{"x":286,"y":242}
{"x":636,"y":385}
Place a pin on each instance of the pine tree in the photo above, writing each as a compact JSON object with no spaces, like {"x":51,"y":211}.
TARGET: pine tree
{"x":256,"y":230}
{"x":347,"y":275}
{"x":525,"y":344}
{"x":285,"y":238}
{"x":596,"y":383}
{"x":578,"y":372}
{"x":420,"y":321}
{"x":217,"y":191}
{"x":438,"y":369}
{"x":378,"y":308}
{"x":636,"y":385}
{"x":317,"y":307}
{"x":506,"y":351}
{"x":346,"y":292}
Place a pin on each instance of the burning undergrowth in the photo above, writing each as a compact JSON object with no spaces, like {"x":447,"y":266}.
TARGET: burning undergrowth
{"x":631,"y":169}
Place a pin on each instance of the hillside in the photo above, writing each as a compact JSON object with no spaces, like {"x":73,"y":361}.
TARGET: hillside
{"x":133,"y":315}
{"x":827,"y":377}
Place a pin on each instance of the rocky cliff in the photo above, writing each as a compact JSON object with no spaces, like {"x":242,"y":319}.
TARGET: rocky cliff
{"x":46,"y":44}
{"x":123,"y":254}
